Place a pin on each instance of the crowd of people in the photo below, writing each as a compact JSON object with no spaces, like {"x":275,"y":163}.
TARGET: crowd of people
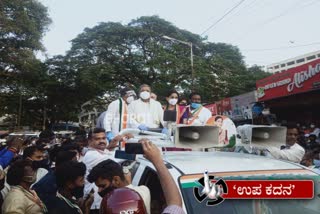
{"x":82,"y":175}
{"x":79,"y":175}
{"x":46,"y":175}
{"x":309,"y":139}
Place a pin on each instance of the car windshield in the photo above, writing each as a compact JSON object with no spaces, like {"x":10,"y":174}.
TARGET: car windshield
{"x":241,"y":206}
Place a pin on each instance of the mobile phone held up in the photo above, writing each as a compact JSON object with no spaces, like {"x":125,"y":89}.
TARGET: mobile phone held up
{"x":134,"y":148}
{"x":123,"y":155}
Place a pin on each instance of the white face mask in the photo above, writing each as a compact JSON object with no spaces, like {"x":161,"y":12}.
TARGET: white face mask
{"x":312,"y":126}
{"x":173,"y":101}
{"x":130,"y":99}
{"x":145,"y":95}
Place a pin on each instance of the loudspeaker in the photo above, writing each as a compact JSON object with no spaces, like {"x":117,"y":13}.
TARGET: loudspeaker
{"x":262,"y":136}
{"x":196,"y":137}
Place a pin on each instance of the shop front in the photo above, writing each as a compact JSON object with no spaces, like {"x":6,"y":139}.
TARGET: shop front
{"x":293,"y":95}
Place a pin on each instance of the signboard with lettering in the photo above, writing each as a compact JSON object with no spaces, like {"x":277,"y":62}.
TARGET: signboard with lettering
{"x":293,"y":81}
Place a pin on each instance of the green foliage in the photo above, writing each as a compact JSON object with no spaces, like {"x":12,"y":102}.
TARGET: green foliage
{"x":111,"y":54}
{"x":22,"y":25}
{"x":105,"y":57}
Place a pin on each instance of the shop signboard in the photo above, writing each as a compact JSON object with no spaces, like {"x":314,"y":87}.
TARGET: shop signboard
{"x":296,"y":80}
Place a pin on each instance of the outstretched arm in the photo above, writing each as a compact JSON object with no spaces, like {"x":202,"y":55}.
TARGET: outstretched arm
{"x":170,"y":189}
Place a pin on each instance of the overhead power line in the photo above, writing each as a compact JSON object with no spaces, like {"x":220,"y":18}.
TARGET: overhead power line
{"x":219,"y":20}
{"x":283,"y":48}
{"x":295,"y":6}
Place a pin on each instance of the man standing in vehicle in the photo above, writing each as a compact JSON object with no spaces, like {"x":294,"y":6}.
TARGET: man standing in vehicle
{"x":199,"y":115}
{"x":116,"y":117}
{"x":145,"y":113}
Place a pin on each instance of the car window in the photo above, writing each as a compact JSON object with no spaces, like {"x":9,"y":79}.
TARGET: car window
{"x":150,"y":179}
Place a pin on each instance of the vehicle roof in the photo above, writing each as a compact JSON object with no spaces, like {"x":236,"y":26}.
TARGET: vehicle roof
{"x":197,"y":162}
{"x":25,"y":133}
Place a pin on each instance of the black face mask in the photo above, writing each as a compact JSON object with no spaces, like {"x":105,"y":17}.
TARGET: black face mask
{"x":78,"y":192}
{"x":106,"y":191}
{"x":45,"y":163}
{"x":2,"y":183}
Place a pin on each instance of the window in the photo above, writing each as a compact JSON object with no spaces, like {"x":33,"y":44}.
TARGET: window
{"x":151,"y":180}
{"x":283,"y":65}
{"x":300,"y":60}
{"x":318,"y":55}
{"x":311,"y":57}
{"x":276,"y":67}
{"x":290,"y":63}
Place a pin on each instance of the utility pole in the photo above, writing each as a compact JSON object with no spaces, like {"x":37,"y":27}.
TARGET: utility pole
{"x":191,"y":56}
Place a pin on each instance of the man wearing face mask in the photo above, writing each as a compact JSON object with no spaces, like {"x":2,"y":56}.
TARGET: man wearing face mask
{"x":199,"y":115}
{"x":39,"y":163}
{"x":116,"y":117}
{"x":21,"y":199}
{"x":145,"y":112}
{"x":70,"y":179}
{"x":99,"y":150}
{"x":108,"y":175}
{"x":46,"y":188}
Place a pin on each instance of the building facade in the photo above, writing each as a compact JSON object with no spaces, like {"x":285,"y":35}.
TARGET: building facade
{"x":293,"y":62}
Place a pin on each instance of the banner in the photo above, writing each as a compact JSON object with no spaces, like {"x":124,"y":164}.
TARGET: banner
{"x":224,"y":107}
{"x":242,"y":106}
{"x":269,"y":189}
{"x":212,"y":108}
{"x":293,"y":81}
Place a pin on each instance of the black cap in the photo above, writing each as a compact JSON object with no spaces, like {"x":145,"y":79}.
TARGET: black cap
{"x":126,"y":90}
{"x":46,"y":134}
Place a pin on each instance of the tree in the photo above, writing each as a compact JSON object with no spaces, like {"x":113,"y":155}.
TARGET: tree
{"x":255,"y":73}
{"x":22,"y":25}
{"x":111,"y":54}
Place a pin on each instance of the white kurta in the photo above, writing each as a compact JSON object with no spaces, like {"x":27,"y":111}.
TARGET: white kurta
{"x":91,"y":159}
{"x":111,"y":119}
{"x":294,"y":154}
{"x":147,"y":113}
{"x":201,"y":118}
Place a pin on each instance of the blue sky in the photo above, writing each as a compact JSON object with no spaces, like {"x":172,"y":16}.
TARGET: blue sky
{"x":288,"y":26}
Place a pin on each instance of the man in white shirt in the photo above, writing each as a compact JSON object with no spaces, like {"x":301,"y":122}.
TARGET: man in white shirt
{"x":99,"y":150}
{"x":145,"y":112}
{"x":108,"y":175}
{"x":293,"y":151}
{"x":199,"y":115}
{"x":116,"y":117}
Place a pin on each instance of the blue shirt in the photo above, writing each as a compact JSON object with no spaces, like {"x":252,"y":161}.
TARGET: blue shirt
{"x":5,"y":157}
{"x":46,"y":188}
